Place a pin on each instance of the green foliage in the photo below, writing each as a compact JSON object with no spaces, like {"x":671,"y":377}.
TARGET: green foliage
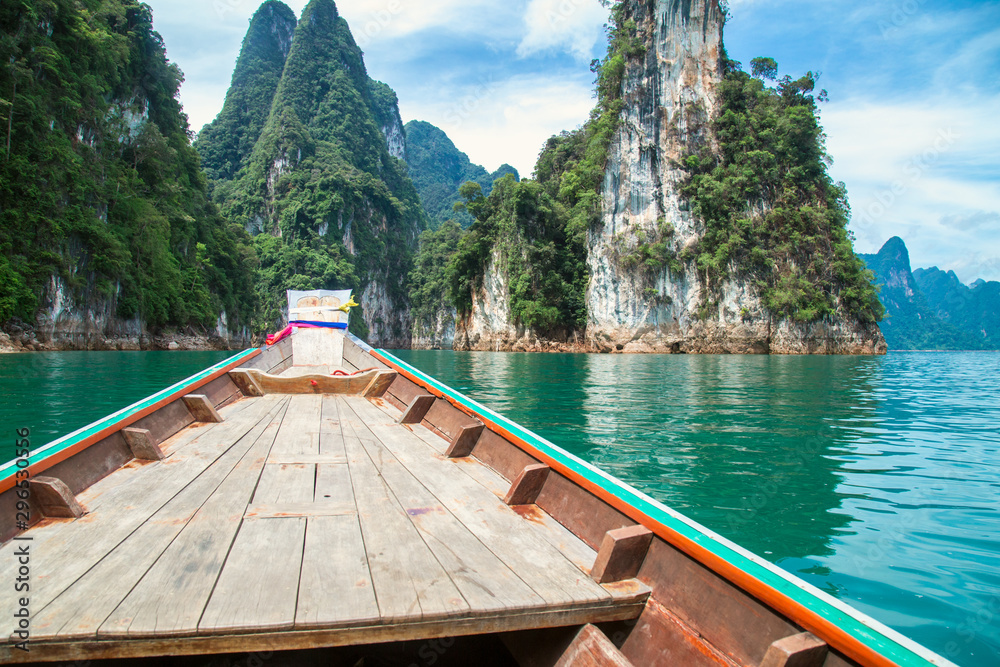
{"x":542,"y":255}
{"x":330,"y":207}
{"x":225,"y":144}
{"x":769,"y":206}
{"x":439,"y":169}
{"x":429,"y":280}
{"x":99,"y":185}
{"x":539,"y":227}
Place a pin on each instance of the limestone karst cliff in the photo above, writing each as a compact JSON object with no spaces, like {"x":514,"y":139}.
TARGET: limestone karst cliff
{"x":322,"y":186}
{"x":700,"y":231}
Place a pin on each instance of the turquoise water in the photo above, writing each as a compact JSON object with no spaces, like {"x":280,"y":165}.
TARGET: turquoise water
{"x":874,"y":479}
{"x":55,"y":393}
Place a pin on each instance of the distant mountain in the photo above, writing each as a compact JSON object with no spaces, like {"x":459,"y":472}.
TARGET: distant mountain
{"x":974,"y":309}
{"x":439,"y":169}
{"x":928,"y":309}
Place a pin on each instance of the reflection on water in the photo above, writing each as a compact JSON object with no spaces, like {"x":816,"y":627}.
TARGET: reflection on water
{"x":875,"y":479}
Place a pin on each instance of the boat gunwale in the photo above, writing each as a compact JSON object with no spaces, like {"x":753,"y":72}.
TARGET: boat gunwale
{"x":846,"y":629}
{"x":71,"y":444}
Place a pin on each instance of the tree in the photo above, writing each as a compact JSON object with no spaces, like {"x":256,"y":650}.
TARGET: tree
{"x":764,"y":68}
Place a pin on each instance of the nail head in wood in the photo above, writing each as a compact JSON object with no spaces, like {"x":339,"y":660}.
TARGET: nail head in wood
{"x":527,"y":486}
{"x":380,"y":384}
{"x":417,"y":409}
{"x":142,"y":444}
{"x":247,"y":383}
{"x":464,"y":441}
{"x":801,"y":650}
{"x":54,"y":498}
{"x":621,"y":555}
{"x":201,"y":408}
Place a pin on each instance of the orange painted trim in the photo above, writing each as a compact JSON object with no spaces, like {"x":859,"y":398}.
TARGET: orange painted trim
{"x":76,"y":448}
{"x":827,"y":631}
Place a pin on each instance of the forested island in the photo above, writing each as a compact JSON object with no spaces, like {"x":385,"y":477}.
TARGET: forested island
{"x":709,"y":226}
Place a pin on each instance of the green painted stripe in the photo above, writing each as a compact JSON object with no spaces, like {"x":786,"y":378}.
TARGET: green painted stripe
{"x":862,"y":627}
{"x":40,"y":454}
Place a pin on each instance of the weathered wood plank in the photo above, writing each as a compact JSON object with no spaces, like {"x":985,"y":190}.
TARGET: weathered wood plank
{"x":54,"y":498}
{"x":170,"y":598}
{"x":299,"y":434}
{"x":417,"y":408}
{"x":801,"y":650}
{"x":79,"y":611}
{"x":660,"y":638}
{"x":485,"y":581}
{"x":202,"y":409}
{"x":526,"y":487}
{"x":621,"y":554}
{"x":336,"y":585}
{"x":409,"y":581}
{"x":379,"y":384}
{"x":550,"y":574}
{"x":333,"y":484}
{"x":283,"y":510}
{"x":290,"y":640}
{"x":143,"y":444}
{"x":331,"y":438}
{"x":258,"y":586}
{"x":246,"y":382}
{"x":72,"y":549}
{"x":285,"y":483}
{"x":311,"y":382}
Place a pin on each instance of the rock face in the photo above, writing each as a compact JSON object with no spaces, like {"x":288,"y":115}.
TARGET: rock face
{"x":321,"y":182}
{"x":437,"y":335}
{"x":669,"y":103}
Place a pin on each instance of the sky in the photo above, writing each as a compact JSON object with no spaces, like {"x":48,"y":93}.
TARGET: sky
{"x":911,"y":122}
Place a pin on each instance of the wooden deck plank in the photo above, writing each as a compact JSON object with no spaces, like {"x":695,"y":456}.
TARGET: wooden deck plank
{"x":80,"y":610}
{"x":333,"y":484}
{"x":485,"y":582}
{"x":259,"y":584}
{"x":410,"y":583}
{"x":285,"y":483}
{"x":336,"y":585}
{"x":538,"y":563}
{"x":170,"y":598}
{"x":299,"y":434}
{"x":331,"y":438}
{"x":72,"y":547}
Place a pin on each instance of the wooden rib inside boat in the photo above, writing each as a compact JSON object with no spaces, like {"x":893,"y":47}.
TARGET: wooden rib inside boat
{"x":270,"y":508}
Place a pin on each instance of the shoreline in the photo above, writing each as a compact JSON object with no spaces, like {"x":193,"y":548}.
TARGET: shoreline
{"x":162,"y":342}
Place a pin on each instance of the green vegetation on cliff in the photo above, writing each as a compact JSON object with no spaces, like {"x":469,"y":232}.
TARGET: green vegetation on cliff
{"x":439,"y":169}
{"x":769,"y":207}
{"x":540,"y":226}
{"x":330,"y":207}
{"x":99,"y":186}
{"x":225,"y":144}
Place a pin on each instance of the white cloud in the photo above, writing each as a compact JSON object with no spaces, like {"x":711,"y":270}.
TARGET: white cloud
{"x":914,"y":167}
{"x":374,"y":21}
{"x":507,"y":121}
{"x":575,"y":26}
